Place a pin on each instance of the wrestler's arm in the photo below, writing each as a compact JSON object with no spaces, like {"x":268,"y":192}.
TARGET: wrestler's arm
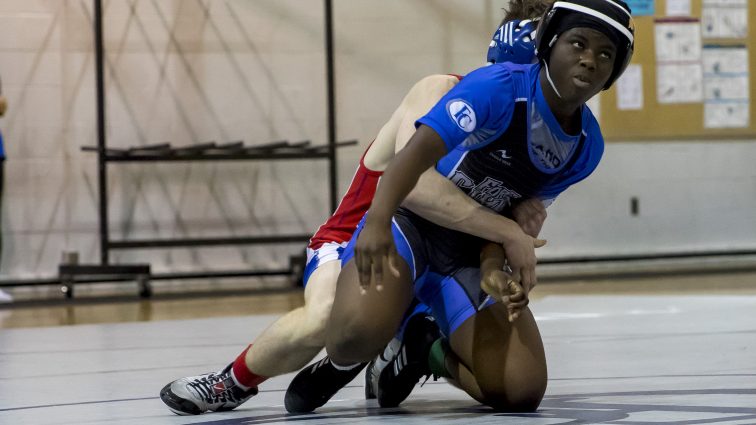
{"x":435,"y":197}
{"x":374,"y":248}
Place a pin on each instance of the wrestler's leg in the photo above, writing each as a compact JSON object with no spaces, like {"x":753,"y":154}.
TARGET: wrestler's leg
{"x":293,"y":340}
{"x":362,"y":324}
{"x":359,"y":327}
{"x":498,"y":363}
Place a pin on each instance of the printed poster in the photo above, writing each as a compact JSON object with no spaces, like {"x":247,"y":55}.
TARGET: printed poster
{"x":679,"y":70}
{"x":725,"y":19}
{"x":726,"y":87}
{"x":630,"y":89}
{"x":678,"y":8}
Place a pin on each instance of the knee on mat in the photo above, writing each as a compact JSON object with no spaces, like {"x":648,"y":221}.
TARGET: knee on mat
{"x":517,"y":403}
{"x":515,"y":397}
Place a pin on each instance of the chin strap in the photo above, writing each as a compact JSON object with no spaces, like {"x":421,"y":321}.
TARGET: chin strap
{"x":546,"y":65}
{"x":548,"y":77}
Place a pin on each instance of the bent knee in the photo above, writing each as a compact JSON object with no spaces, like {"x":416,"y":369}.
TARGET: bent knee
{"x":515,"y":396}
{"x":355,"y":342}
{"x":517,"y":404}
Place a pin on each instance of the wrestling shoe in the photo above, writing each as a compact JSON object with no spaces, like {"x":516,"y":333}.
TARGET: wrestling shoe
{"x":410,"y":363}
{"x":316,"y":384}
{"x":376,"y":366}
{"x":216,"y":392}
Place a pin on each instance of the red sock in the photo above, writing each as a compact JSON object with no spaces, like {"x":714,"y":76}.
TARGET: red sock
{"x":241,"y":373}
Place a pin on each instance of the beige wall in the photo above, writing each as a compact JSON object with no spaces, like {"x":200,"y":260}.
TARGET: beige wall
{"x":193,"y":71}
{"x":198,"y":70}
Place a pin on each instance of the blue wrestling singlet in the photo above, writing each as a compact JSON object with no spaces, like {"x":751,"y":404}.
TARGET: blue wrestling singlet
{"x":487,"y":122}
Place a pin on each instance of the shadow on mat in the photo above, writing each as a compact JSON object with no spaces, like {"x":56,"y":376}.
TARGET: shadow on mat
{"x":558,"y":409}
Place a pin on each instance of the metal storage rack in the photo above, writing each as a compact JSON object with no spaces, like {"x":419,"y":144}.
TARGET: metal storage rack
{"x":70,"y":274}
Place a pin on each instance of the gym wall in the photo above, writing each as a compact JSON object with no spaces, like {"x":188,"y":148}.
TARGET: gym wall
{"x":191,"y":71}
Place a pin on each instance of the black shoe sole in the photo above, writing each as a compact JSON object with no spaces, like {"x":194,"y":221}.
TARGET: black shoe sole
{"x":294,"y":402}
{"x":410,"y":373}
{"x":300,"y":398}
{"x":177,"y":404}
{"x":369,"y":394}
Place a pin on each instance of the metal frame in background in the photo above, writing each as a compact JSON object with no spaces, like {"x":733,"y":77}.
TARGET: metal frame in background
{"x":87,"y":273}
{"x":331,"y":155}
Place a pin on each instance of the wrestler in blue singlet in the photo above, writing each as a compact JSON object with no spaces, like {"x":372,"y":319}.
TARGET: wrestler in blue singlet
{"x":501,"y":152}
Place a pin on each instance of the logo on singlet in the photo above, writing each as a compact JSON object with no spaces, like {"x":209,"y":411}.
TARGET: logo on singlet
{"x":490,"y":192}
{"x":501,"y":156}
{"x":462,"y":114}
{"x":547,"y":157}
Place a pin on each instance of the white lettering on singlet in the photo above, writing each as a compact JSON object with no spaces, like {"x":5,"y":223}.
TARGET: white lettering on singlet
{"x":490,"y":192}
{"x":551,"y":151}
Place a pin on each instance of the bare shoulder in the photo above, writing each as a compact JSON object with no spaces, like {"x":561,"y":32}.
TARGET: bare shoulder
{"x":431,"y":88}
{"x":434,"y":84}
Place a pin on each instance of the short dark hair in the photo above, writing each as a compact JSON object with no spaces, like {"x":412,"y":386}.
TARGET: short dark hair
{"x":526,"y":9}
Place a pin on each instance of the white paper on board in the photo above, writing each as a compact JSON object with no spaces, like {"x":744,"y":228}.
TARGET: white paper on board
{"x":726,"y":115}
{"x":678,"y":41}
{"x":630,"y":89}
{"x":678,"y":8}
{"x":725,"y":19}
{"x":726,"y":86}
{"x":679,"y":83}
{"x":679,"y":71}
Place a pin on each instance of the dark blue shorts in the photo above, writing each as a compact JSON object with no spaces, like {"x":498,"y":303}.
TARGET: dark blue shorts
{"x":445,"y":266}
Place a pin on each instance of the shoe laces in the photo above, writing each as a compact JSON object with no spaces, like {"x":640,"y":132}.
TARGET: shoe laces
{"x":217,"y":388}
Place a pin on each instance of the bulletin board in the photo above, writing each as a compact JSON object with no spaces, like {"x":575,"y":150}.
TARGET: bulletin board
{"x":657,"y":120}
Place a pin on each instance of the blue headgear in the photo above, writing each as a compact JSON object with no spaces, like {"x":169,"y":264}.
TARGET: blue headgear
{"x":513,"y":42}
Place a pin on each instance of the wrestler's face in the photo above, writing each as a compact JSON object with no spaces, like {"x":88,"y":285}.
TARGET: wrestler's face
{"x":581,"y":63}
